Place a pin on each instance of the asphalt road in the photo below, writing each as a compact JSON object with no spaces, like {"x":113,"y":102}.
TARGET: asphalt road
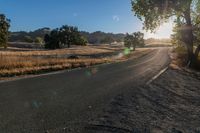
{"x":65,"y":101}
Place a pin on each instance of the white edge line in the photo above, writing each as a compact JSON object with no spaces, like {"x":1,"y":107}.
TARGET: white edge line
{"x":156,"y":76}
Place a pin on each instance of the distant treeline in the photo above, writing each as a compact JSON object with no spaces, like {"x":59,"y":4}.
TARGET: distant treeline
{"x":97,"y":37}
{"x":38,"y":35}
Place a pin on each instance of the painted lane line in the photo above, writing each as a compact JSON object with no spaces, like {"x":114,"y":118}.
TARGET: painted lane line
{"x":158,"y":75}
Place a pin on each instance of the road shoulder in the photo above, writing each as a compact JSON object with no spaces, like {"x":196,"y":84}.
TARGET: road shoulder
{"x":169,"y":104}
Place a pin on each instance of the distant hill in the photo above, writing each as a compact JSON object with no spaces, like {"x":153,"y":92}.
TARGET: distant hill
{"x":23,"y":36}
{"x":97,"y":37}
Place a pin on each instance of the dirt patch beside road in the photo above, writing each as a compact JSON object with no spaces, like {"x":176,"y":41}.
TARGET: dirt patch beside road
{"x":169,"y":105}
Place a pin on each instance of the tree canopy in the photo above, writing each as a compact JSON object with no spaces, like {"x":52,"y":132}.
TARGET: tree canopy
{"x":133,"y":40}
{"x":4,"y":33}
{"x":64,"y":36}
{"x":155,"y":12}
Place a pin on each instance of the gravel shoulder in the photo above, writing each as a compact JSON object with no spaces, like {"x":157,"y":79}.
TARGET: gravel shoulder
{"x":170,"y":104}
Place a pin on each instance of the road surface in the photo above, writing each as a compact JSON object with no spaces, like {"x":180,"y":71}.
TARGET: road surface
{"x":67,"y":100}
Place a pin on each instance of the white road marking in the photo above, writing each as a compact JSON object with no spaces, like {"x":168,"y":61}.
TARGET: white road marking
{"x":158,"y":75}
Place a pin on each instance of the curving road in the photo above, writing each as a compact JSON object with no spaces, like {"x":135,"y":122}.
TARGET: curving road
{"x":65,"y":101}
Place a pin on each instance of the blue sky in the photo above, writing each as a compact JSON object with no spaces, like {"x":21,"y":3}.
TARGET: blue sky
{"x":88,"y":15}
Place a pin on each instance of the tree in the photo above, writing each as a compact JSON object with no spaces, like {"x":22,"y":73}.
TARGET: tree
{"x":71,"y":36}
{"x":53,"y":41}
{"x":129,"y":41}
{"x":139,"y":39}
{"x":176,"y":37}
{"x":38,"y":40}
{"x":156,"y":12}
{"x":66,"y":35}
{"x":47,"y":40}
{"x":4,"y":27}
{"x":81,"y":41}
{"x":133,"y":40}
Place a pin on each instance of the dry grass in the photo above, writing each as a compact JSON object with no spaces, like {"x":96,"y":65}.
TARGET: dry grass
{"x":74,"y":50}
{"x":20,"y":65}
{"x":13,"y":63}
{"x":16,"y":63}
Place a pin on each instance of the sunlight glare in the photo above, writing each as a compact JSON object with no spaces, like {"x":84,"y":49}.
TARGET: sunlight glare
{"x":164,"y":31}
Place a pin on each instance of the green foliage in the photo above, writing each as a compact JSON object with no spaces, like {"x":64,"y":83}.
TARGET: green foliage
{"x":139,"y":39}
{"x":129,"y":41}
{"x":176,"y":37}
{"x":39,"y":40}
{"x":156,"y":12}
{"x":92,"y":38}
{"x":178,"y":33}
{"x":4,"y":33}
{"x":136,"y":39}
{"x":99,"y":37}
{"x":196,"y":23}
{"x":53,"y":41}
{"x":81,"y":41}
{"x":66,"y":35}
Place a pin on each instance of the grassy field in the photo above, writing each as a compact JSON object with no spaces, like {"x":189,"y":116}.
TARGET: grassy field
{"x":25,"y":61}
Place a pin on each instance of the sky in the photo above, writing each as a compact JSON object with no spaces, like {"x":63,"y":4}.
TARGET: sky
{"x":88,"y":15}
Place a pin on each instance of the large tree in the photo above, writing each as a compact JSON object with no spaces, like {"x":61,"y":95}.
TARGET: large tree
{"x":66,"y":35}
{"x":156,"y":12}
{"x":133,"y":40}
{"x":4,"y":33}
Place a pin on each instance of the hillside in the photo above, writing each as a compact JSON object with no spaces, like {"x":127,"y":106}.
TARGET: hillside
{"x":97,"y":37}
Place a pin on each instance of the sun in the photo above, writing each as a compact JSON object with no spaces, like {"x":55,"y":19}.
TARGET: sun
{"x":164,"y":31}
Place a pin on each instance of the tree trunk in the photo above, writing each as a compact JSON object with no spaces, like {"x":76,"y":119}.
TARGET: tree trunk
{"x":196,"y":55}
{"x":188,"y":37}
{"x":191,"y":60}
{"x":197,"y":51}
